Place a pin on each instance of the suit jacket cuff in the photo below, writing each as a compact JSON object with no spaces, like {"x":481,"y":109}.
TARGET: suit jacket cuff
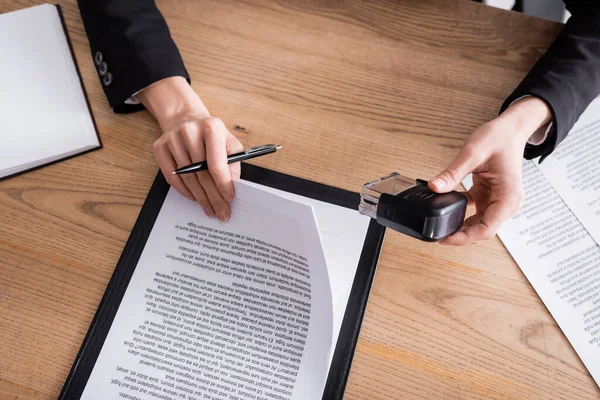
{"x":566,"y":77}
{"x":119,"y":95}
{"x":132,"y":48}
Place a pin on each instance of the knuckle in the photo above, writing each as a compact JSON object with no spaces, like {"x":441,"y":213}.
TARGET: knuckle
{"x":188,"y":128}
{"x":218,"y":170}
{"x":217,"y":122}
{"x":473,"y":152}
{"x":187,"y":178}
{"x":208,"y":125}
{"x":204,"y":203}
{"x":206,"y":181}
{"x":219,"y":204}
{"x":211,"y":125}
{"x":204,"y":177}
{"x":469,"y":149}
{"x":222,"y":187}
{"x":453,"y":174}
{"x":171,"y":142}
{"x":236,"y":146}
{"x":487,"y":233}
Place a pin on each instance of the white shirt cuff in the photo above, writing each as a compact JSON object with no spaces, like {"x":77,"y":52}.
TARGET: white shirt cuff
{"x":538,"y":137}
{"x":133,"y":99}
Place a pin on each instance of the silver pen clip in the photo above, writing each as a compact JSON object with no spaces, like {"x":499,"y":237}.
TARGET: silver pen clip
{"x":262,"y":147}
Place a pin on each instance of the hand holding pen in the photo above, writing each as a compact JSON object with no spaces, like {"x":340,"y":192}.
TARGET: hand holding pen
{"x":207,"y":171}
{"x":191,"y":135}
{"x":233,"y":158}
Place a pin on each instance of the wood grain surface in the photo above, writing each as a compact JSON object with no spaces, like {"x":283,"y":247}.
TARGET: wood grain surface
{"x":352,"y":90}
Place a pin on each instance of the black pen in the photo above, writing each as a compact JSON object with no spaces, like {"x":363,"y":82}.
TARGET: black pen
{"x":244,"y":155}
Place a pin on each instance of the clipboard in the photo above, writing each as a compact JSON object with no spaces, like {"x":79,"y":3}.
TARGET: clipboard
{"x":355,"y":309}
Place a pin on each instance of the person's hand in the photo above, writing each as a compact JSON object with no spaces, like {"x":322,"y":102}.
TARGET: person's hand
{"x":493,"y":153}
{"x":191,"y":139}
{"x":191,"y":135}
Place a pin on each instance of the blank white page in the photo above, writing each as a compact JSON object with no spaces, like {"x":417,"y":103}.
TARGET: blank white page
{"x":44,"y":116}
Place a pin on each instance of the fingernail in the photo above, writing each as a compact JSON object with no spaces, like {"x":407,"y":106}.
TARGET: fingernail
{"x":210,"y":213}
{"x":228,"y":197}
{"x":438,"y":183}
{"x":224,"y":216}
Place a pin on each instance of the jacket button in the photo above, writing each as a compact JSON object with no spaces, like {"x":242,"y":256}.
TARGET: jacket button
{"x":102,"y":69}
{"x":98,"y":58}
{"x":107,"y":80}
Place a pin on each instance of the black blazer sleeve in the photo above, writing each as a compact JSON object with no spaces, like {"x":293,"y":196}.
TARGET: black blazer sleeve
{"x":567,"y":76}
{"x":131,"y":46}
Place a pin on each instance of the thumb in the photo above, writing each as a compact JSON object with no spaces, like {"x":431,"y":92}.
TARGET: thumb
{"x":449,"y":178}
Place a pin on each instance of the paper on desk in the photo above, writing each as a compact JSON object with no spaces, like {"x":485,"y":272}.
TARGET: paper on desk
{"x":134,"y":353}
{"x":343,"y":232}
{"x":573,"y":169}
{"x":561,"y":260}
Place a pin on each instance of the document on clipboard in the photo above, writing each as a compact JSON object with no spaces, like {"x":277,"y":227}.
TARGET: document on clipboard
{"x":267,"y":305}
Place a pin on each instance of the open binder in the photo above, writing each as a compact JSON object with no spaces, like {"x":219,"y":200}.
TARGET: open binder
{"x":350,"y":327}
{"x":40,"y":77}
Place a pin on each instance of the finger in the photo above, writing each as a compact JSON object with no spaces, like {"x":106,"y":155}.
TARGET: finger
{"x":459,"y":238}
{"x":480,"y":194}
{"x":234,"y":146}
{"x":490,"y":221}
{"x":470,"y":200}
{"x":215,"y":140}
{"x":167,"y":165}
{"x":466,"y":161}
{"x":219,"y":204}
{"x":182,"y":158}
{"x":192,"y":138}
{"x":456,"y":239}
{"x":472,"y":220}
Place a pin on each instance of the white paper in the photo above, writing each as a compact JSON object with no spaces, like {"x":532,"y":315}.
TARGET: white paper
{"x":573,"y":169}
{"x":343,"y":232}
{"x":257,"y":214}
{"x":44,"y":115}
{"x":561,"y":261}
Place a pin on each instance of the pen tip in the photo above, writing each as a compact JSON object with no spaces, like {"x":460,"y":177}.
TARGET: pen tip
{"x":173,"y":173}
{"x":278,"y":147}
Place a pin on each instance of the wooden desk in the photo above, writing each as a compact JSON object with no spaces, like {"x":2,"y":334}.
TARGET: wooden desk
{"x":356,"y":89}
